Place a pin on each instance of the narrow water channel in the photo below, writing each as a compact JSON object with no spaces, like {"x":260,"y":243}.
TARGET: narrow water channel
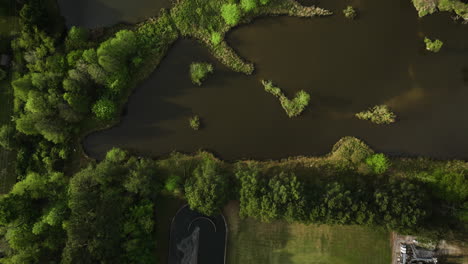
{"x":346,"y":66}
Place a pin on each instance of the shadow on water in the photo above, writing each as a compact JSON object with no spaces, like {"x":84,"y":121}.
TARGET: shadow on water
{"x":102,"y":13}
{"x":346,"y":66}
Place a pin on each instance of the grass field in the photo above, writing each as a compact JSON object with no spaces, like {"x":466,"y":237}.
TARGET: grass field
{"x":251,"y":241}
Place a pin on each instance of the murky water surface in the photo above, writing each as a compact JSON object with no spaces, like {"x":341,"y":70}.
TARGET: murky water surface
{"x":346,"y":66}
{"x":100,"y":13}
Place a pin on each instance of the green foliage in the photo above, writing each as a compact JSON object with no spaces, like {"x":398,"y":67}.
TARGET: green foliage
{"x":248,"y":5}
{"x":425,"y":7}
{"x":378,"y":163}
{"x":379,"y":114}
{"x":73,"y":57}
{"x":194,"y":122}
{"x":116,"y":155}
{"x":105,"y":109}
{"x":7,"y":137}
{"x":401,"y":205}
{"x":231,"y":13}
{"x":216,"y":38}
{"x":77,"y":38}
{"x":172,"y":183}
{"x":350,"y":150}
{"x":112,"y":212}
{"x":264,"y":2}
{"x":116,"y":51}
{"x":199,"y":71}
{"x":292,"y":107}
{"x":157,"y":35}
{"x":206,"y":189}
{"x":279,"y":197}
{"x":457,"y":6}
{"x":350,"y":12}
{"x":433,"y":46}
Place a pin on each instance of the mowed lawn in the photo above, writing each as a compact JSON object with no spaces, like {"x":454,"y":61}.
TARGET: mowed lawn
{"x":250,"y":241}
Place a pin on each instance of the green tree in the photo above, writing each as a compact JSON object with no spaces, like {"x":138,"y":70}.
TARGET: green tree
{"x":105,"y":109}
{"x":378,"y":163}
{"x":248,"y":5}
{"x":231,"y":13}
{"x":206,"y":189}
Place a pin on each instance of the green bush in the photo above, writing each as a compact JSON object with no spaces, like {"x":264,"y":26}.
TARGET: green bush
{"x":350,"y":12}
{"x":194,"y":122}
{"x":378,"y":163}
{"x":206,"y":190}
{"x":104,"y":109}
{"x":425,"y":7}
{"x":379,"y":114}
{"x":248,"y":5}
{"x":199,"y":71}
{"x":433,"y":46}
{"x":73,"y":57}
{"x":264,"y":2}
{"x":172,"y":183}
{"x":231,"y":14}
{"x":216,"y":38}
{"x":116,"y":155}
{"x":292,"y":107}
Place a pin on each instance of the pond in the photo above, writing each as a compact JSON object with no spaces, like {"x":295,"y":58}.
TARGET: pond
{"x":101,"y":13}
{"x":346,"y":66}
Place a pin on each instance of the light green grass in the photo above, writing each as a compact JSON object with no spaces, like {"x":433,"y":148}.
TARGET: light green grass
{"x":250,"y":241}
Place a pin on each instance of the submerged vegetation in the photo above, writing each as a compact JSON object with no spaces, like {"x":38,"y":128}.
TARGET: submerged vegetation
{"x":199,"y":71}
{"x":194,"y":122}
{"x":350,"y":12}
{"x":433,"y":46}
{"x":292,"y":107}
{"x":426,"y":7}
{"x":379,"y":114}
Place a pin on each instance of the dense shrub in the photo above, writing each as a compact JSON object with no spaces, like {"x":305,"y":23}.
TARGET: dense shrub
{"x":199,"y":71}
{"x":194,"y":122}
{"x":248,"y":5}
{"x":105,"y":109}
{"x":433,"y":46}
{"x":378,"y":163}
{"x":379,"y":114}
{"x":216,"y":38}
{"x":231,"y":14}
{"x":292,"y":107}
{"x":350,"y":12}
{"x":206,"y":190}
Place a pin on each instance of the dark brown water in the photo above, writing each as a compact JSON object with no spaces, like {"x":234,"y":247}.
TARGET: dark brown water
{"x":345,"y":65}
{"x":101,"y":13}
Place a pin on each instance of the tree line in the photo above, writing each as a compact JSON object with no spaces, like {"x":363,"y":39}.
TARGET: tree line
{"x":107,"y":212}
